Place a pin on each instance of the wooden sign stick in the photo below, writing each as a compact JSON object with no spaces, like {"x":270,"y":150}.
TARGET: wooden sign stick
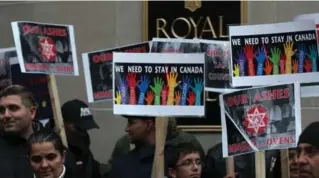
{"x":284,"y":161}
{"x":230,"y":165}
{"x":260,"y":164}
{"x":56,"y":107}
{"x":160,"y":138}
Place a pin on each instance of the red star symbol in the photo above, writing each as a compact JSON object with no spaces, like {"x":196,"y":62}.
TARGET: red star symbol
{"x":47,"y":49}
{"x":256,"y":120}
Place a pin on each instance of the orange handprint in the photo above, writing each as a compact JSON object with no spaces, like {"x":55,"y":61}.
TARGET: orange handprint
{"x":149,"y":98}
{"x":191,"y":98}
{"x":295,"y":66}
{"x":177,"y":98}
{"x":308,"y":66}
{"x":268,"y":67}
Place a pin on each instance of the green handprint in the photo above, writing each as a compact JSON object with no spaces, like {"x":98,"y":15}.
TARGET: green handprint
{"x":157,"y":89}
{"x":275,"y":58}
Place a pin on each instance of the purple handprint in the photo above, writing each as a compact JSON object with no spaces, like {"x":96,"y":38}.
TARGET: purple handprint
{"x":261,"y":57}
{"x":143,"y":88}
{"x":185,"y":87}
{"x":241,"y":60}
{"x":199,"y":85}
{"x":122,"y":86}
{"x":301,"y":54}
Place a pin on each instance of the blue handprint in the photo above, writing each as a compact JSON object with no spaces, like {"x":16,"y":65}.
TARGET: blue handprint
{"x":122,"y":86}
{"x":199,"y":85}
{"x":145,"y":82}
{"x":185,"y":87}
{"x":241,"y":60}
{"x":301,"y":54}
{"x":261,"y":57}
{"x":313,"y":55}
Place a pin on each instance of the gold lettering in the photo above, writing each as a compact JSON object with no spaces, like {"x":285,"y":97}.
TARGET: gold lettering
{"x":211,"y":28}
{"x":221,"y":25}
{"x":195,"y":25}
{"x":189,"y":27}
{"x":161,"y":28}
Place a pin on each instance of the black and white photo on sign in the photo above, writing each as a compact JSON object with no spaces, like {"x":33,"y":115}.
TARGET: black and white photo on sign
{"x":261,"y":118}
{"x":98,"y":70}
{"x":168,"y":45}
{"x":45,"y":48}
{"x":273,"y":53}
{"x":158,"y":84}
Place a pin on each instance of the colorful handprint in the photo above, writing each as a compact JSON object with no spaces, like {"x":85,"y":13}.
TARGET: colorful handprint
{"x":177,"y":98}
{"x":157,"y":88}
{"x":268,"y":68}
{"x":313,"y":55}
{"x":295,"y":66}
{"x":250,"y":55}
{"x":275,"y":57}
{"x":149,"y":98}
{"x":198,"y":90}
{"x":261,"y":57}
{"x":191,"y":98}
{"x":289,"y":52}
{"x":185,"y":87}
{"x":308,"y":66}
{"x":118,"y":98}
{"x":143,"y":86}
{"x":236,"y":70}
{"x":164,"y":95}
{"x":241,"y":60}
{"x":122,"y":86}
{"x":301,"y":54}
{"x":171,"y":83}
{"x":282,"y":63}
{"x":131,"y":78}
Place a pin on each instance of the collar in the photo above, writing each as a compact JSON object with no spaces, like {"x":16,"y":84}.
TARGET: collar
{"x":62,"y":174}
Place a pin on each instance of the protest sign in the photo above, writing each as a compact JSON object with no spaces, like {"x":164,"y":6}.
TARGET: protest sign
{"x":6,"y":54}
{"x":164,"y":45}
{"x":274,"y":53}
{"x":98,"y":70}
{"x":159,"y":84}
{"x":259,"y":119}
{"x":45,"y":48}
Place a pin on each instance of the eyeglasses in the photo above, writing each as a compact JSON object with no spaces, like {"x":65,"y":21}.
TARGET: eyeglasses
{"x":190,"y":163}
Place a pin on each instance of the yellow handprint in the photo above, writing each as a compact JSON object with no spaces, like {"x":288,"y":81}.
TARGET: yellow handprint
{"x":289,"y":52}
{"x":118,"y":98}
{"x":171,"y":82}
{"x":236,"y":70}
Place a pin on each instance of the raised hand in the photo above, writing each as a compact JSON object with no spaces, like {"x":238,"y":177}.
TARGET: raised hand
{"x":308,"y":65}
{"x":149,"y":98}
{"x":301,"y":54}
{"x":282,"y":63}
{"x":131,"y":77}
{"x":191,"y":98}
{"x":295,"y":66}
{"x":185,"y":87}
{"x":275,"y":57}
{"x":171,"y":83}
{"x":250,"y":55}
{"x":164,"y":94}
{"x":198,"y":90}
{"x":268,"y":68}
{"x":289,"y":52}
{"x":177,"y":98}
{"x":157,"y":88}
{"x":122,"y":86}
{"x":236,"y":70}
{"x":261,"y":57}
{"x":313,"y":55}
{"x":143,"y":86}
{"x":241,"y":60}
{"x":118,"y":98}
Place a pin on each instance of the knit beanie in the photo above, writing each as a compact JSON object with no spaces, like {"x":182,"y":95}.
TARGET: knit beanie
{"x":310,"y":135}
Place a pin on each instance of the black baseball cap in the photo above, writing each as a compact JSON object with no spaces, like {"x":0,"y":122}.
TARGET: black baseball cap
{"x":78,"y":112}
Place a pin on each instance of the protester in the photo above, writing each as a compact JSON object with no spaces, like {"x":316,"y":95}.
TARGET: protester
{"x":293,"y":166}
{"x":17,"y":113}
{"x":308,"y":152}
{"x":127,"y":143}
{"x":47,"y":154}
{"x":184,"y":161}
{"x":78,"y":119}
